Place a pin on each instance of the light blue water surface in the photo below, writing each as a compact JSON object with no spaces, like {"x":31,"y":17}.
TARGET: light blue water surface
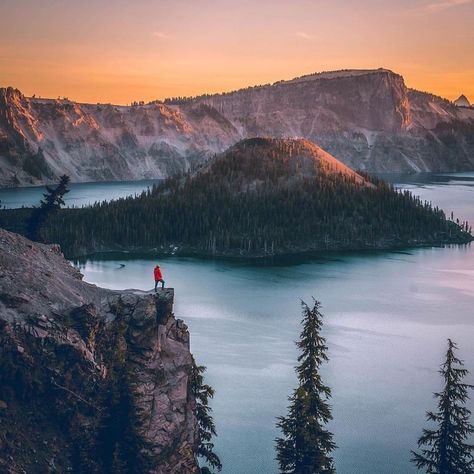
{"x":80,"y":194}
{"x":387,"y":318}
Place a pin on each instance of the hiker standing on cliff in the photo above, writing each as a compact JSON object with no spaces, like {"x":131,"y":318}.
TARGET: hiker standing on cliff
{"x":158,"y":277}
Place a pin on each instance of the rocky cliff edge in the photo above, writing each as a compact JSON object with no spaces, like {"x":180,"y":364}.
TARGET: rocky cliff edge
{"x":91,"y":380}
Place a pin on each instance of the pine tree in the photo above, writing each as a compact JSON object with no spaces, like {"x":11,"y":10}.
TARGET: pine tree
{"x":306,"y":444}
{"x":52,"y":200}
{"x":206,"y":427}
{"x":444,"y":450}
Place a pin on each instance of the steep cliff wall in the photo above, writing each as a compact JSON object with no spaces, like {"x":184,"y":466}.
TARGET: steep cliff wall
{"x":42,"y":139}
{"x":374,"y":100}
{"x":91,"y":380}
{"x":368,"y":119}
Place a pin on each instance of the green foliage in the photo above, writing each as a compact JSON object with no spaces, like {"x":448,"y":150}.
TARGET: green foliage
{"x":444,"y":450}
{"x":306,"y":444}
{"x":53,"y":198}
{"x":254,"y":200}
{"x":202,"y":393}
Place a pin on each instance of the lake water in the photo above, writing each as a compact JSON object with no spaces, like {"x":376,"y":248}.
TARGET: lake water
{"x":387,"y":318}
{"x":80,"y":194}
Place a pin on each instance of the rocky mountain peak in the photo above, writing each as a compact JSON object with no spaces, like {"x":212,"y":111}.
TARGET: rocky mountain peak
{"x":462,"y":101}
{"x":342,"y":73}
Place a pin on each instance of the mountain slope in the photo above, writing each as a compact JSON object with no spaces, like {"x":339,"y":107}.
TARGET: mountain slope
{"x":42,"y":139}
{"x":368,"y":119}
{"x":254,"y":160}
{"x":263,"y":196}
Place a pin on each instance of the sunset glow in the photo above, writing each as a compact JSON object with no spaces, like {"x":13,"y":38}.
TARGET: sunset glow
{"x":119,"y":51}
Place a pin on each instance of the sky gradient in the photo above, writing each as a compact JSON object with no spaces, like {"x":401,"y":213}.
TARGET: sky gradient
{"x":119,"y":51}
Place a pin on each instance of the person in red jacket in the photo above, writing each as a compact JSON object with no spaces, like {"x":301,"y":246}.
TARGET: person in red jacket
{"x":158,"y":277}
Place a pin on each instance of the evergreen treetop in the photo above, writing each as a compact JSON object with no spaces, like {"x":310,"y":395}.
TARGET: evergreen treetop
{"x":53,"y":197}
{"x":306,"y":445}
{"x":206,"y":427}
{"x":445,"y":450}
{"x":52,"y":200}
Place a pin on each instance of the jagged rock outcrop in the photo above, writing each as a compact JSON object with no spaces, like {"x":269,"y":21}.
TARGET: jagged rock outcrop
{"x":368,"y":119}
{"x":462,"y":101}
{"x":88,"y":377}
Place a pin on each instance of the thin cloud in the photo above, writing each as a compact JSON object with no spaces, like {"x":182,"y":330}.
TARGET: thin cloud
{"x":159,"y":34}
{"x":304,"y":35}
{"x":440,"y":6}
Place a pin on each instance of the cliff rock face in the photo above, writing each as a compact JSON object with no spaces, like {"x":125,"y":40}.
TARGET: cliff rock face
{"x":91,"y":380}
{"x":42,"y":139}
{"x":368,"y":119}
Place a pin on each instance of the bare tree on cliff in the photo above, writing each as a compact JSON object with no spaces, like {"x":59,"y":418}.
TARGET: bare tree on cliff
{"x":52,"y":200}
{"x":206,"y":427}
{"x":444,"y":450}
{"x":306,"y":444}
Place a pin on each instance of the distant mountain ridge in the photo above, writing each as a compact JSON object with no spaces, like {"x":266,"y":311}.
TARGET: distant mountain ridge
{"x":368,"y":119}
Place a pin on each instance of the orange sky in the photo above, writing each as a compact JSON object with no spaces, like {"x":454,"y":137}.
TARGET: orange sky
{"x":118,"y":51}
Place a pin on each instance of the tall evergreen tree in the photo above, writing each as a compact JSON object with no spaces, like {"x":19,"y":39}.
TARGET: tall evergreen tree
{"x":306,"y":445}
{"x":444,"y":450}
{"x":52,"y":200}
{"x":206,"y":427}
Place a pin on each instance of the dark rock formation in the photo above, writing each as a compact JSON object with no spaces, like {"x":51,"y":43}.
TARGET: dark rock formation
{"x":89,"y":378}
{"x":368,"y":119}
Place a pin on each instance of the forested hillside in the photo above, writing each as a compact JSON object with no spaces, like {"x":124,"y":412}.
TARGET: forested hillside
{"x":260,"y":197}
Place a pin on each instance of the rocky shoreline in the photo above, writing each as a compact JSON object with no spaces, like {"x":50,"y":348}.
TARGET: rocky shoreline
{"x":297,"y":251}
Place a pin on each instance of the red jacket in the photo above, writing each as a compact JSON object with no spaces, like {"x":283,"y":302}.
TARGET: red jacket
{"x":157,"y":272}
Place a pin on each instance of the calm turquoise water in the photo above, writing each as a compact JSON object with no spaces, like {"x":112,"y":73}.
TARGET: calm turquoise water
{"x":80,"y":193}
{"x":387,"y":315}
